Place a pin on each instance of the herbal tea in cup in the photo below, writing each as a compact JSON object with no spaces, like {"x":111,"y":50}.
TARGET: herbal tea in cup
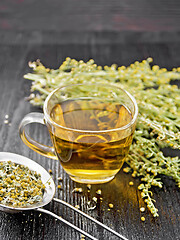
{"x":91,"y":128}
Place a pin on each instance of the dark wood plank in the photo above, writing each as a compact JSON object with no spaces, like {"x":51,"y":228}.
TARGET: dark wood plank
{"x":51,"y":37}
{"x":88,"y":15}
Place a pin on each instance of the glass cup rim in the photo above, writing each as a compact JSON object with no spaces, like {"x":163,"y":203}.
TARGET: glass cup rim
{"x":49,"y":119}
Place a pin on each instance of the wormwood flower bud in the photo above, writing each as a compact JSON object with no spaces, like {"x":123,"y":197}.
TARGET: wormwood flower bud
{"x":126,"y":170}
{"x":142,"y":209}
{"x":141,"y":186}
{"x":143,"y":195}
{"x":143,"y":219}
{"x":131,"y":183}
{"x":134,"y":174}
{"x":98,"y":191}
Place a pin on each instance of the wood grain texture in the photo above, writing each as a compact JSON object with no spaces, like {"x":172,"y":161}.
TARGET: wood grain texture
{"x":102,"y":15}
{"x":125,"y":216}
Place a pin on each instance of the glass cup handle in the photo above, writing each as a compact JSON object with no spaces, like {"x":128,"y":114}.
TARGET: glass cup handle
{"x":44,"y":150}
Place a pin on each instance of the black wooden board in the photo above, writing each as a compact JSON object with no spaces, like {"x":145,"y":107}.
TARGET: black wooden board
{"x":125,"y":216}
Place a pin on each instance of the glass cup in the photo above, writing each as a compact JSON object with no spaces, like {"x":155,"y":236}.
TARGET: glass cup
{"x":91,"y":128}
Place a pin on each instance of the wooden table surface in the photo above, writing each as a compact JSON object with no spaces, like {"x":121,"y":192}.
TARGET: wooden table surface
{"x":119,"y":33}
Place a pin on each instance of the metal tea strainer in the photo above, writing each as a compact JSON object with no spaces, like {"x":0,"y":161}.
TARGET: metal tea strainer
{"x":48,"y":195}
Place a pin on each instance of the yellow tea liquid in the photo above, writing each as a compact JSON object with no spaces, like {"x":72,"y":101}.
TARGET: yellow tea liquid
{"x":85,"y":154}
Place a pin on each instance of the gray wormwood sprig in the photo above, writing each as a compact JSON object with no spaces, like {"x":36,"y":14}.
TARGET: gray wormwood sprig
{"x":158,"y":123}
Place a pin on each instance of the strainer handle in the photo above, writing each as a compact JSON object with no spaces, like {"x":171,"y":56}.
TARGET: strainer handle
{"x":66,"y":222}
{"x":90,"y":218}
